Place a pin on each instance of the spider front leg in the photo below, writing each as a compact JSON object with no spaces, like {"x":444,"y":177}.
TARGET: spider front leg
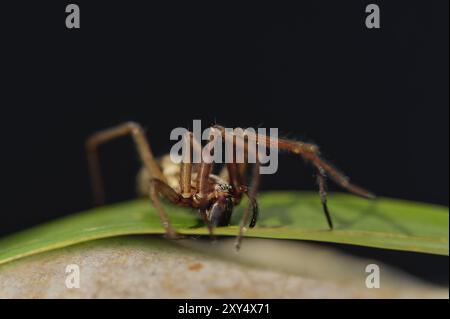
{"x":251,"y":207}
{"x":235,"y":173}
{"x":201,"y":197}
{"x":157,"y":188}
{"x":186,"y":175}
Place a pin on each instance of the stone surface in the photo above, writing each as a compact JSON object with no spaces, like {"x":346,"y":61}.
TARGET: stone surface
{"x":150,"y":267}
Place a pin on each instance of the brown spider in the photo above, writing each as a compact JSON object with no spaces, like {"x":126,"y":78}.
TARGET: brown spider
{"x":193,"y":185}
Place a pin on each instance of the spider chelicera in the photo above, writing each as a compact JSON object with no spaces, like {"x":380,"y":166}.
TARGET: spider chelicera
{"x":194,"y":185}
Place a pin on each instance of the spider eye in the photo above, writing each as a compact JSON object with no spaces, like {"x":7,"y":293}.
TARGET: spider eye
{"x":224,"y":187}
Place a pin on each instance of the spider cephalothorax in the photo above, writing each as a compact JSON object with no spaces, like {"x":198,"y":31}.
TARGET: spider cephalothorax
{"x":194,"y":184}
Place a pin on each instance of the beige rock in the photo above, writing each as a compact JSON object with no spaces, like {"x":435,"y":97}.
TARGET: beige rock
{"x":150,"y":267}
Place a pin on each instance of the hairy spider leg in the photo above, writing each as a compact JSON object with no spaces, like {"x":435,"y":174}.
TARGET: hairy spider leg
{"x":311,"y":153}
{"x":236,"y":176}
{"x":101,"y":137}
{"x":157,"y":179}
{"x":158,"y":187}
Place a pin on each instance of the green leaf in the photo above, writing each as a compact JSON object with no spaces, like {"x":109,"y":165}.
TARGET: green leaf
{"x":383,"y":223}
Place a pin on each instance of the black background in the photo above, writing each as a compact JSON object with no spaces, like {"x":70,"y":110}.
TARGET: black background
{"x":375,"y":100}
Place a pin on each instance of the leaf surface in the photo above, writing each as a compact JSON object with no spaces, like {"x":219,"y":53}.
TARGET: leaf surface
{"x":382,"y":223}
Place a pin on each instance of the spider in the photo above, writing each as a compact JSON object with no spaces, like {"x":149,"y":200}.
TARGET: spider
{"x":194,"y":185}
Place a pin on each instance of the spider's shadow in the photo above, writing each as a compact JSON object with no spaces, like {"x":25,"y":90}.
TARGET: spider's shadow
{"x":282,"y":218}
{"x":199,"y":223}
{"x":370,"y":211}
{"x":269,"y":211}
